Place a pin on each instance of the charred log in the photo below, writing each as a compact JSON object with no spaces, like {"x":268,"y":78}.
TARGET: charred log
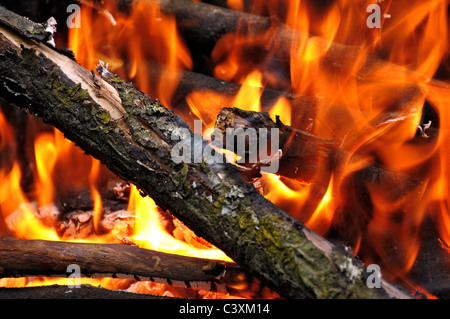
{"x":224,"y":91}
{"x":311,"y":159}
{"x":305,"y":156}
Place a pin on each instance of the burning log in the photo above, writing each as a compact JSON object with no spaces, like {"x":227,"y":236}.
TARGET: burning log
{"x":300,"y":162}
{"x":404,"y":94}
{"x":202,"y":23}
{"x":195,"y":16}
{"x":305,"y":157}
{"x":132,"y":135}
{"x":134,"y":269}
{"x":20,"y":258}
{"x":63,"y":292}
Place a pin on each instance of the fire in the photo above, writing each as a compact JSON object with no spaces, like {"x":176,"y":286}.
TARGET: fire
{"x":282,"y":108}
{"x":45,"y":154}
{"x":373,"y":93}
{"x":62,"y":168}
{"x":248,"y":97}
{"x":132,"y":44}
{"x":356,"y":94}
{"x":205,"y":105}
{"x":17,"y":211}
{"x":28,"y":219}
{"x":323,"y":215}
{"x":96,"y":197}
{"x":33,"y":216}
{"x":149,"y":232}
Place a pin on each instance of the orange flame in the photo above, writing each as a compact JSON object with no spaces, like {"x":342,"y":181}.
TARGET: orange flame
{"x":45,"y":153}
{"x":282,"y":108}
{"x":144,"y":36}
{"x":322,"y":217}
{"x":358,"y":107}
{"x":370,"y":108}
{"x":98,"y":206}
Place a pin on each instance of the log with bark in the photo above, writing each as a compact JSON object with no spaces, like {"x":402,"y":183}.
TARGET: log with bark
{"x":307,"y":157}
{"x":63,"y":292}
{"x":22,"y":258}
{"x":134,"y":136}
{"x":182,"y":275}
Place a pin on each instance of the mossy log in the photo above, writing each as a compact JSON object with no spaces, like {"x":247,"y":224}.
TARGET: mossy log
{"x":131,"y":134}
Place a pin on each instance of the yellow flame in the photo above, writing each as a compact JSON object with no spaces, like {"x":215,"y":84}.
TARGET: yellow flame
{"x":249,"y":95}
{"x":149,"y":232}
{"x":282,"y":108}
{"x":322,"y":217}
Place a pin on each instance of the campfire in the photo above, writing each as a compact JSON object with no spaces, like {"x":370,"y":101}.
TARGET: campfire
{"x":225,"y":149}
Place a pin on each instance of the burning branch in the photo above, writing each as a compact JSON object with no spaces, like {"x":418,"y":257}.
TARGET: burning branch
{"x":20,"y":258}
{"x":307,"y":157}
{"x":62,"y":292}
{"x":132,"y":135}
